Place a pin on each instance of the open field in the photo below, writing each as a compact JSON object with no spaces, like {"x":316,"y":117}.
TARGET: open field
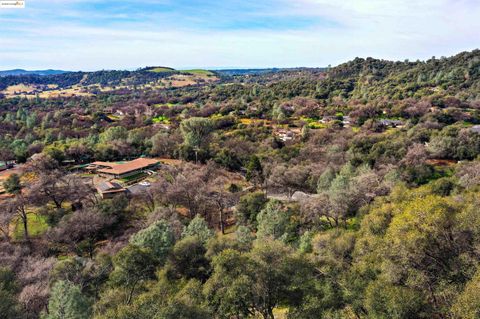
{"x":43,"y":91}
{"x":178,"y":79}
{"x":198,"y":72}
{"x":188,"y":79}
{"x":161,"y":70}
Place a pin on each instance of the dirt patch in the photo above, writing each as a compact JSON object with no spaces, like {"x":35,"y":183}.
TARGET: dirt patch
{"x":441,"y":162}
{"x":18,"y":169}
{"x":170,"y":161}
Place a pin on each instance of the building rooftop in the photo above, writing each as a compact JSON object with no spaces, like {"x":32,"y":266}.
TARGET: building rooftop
{"x":106,"y":164}
{"x":119,"y":169}
{"x":475,"y":128}
{"x":109,"y":186}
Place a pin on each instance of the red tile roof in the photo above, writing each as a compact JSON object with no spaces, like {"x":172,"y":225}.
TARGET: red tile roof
{"x":135,"y":165}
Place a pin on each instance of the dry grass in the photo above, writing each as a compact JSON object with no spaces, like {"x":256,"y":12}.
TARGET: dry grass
{"x":21,"y":90}
{"x":187,"y":79}
{"x":255,"y":121}
{"x":170,"y":161}
{"x":5,"y":174}
{"x":441,"y":162}
{"x":51,"y":90}
{"x":42,"y":91}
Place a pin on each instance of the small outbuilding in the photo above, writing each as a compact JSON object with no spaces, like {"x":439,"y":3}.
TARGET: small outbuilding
{"x":475,"y":129}
{"x":110,"y":189}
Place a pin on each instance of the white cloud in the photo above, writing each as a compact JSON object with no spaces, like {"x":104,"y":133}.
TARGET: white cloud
{"x":392,"y":29}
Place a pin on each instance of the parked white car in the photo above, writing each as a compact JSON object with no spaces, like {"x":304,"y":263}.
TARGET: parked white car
{"x":144,"y":184}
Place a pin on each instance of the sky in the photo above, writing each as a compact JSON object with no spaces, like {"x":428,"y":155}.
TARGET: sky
{"x":128,"y":34}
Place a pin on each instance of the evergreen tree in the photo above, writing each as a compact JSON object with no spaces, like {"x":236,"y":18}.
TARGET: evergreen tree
{"x":67,"y":302}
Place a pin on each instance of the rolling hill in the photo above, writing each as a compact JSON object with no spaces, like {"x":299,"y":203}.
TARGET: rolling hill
{"x":37,"y":72}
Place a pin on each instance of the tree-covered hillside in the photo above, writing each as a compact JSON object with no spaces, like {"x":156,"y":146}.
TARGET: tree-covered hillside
{"x":351,"y":192}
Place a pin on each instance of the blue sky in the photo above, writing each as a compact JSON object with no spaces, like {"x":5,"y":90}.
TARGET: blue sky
{"x":126,"y":34}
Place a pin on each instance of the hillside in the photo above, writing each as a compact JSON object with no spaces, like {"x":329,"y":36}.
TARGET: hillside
{"x":347,"y":192}
{"x":358,"y":79}
{"x":31,"y":84}
{"x":372,"y":78}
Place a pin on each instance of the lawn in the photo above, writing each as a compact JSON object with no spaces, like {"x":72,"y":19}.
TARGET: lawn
{"x":313,"y":123}
{"x":37,"y":225}
{"x":133,"y":178}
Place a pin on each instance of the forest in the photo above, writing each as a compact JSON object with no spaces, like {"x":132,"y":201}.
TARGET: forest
{"x":345,"y":192}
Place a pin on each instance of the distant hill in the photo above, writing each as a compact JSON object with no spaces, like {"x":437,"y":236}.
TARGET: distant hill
{"x":158,"y":69}
{"x":233,"y":72}
{"x":67,"y":79}
{"x":37,"y":72}
{"x":163,"y":69}
{"x":32,"y":83}
{"x":360,"y":79}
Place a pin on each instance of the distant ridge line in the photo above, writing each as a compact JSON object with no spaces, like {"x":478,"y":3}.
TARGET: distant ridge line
{"x":34,"y":72}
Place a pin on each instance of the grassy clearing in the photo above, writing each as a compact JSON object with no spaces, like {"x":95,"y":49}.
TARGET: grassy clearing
{"x":73,"y":91}
{"x":166,"y":104}
{"x":37,"y":225}
{"x":161,"y":70}
{"x":161,"y":119}
{"x":229,"y":232}
{"x":198,"y":72}
{"x":170,"y":161}
{"x":114,"y":117}
{"x":313,"y":123}
{"x":316,"y":125}
{"x":255,"y":121}
{"x":280,"y":313}
{"x":19,"y":88}
{"x":216,"y":116}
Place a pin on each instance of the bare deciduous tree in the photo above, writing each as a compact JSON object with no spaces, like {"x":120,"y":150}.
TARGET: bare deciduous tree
{"x":17,"y":207}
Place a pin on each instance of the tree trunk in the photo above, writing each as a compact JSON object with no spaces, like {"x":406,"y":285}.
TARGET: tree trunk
{"x":25,"y":225}
{"x":268,"y":314}
{"x":329,"y":221}
{"x":58,"y":205}
{"x":130,"y":295}
{"x":222,"y":224}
